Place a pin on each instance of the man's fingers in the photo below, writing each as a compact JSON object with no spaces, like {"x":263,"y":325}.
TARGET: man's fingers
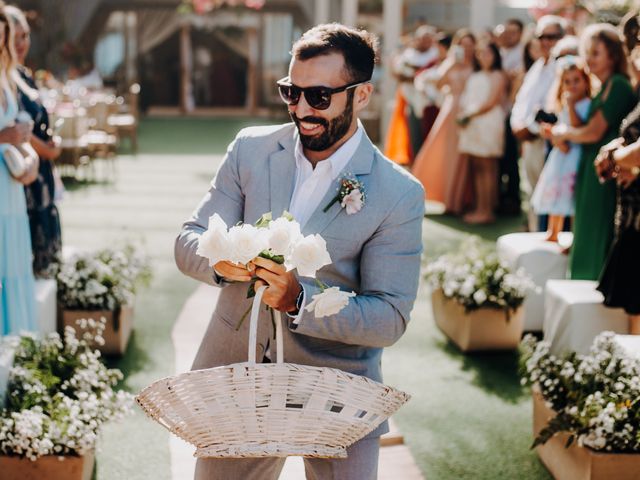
{"x":269,"y":265}
{"x":267,"y":275}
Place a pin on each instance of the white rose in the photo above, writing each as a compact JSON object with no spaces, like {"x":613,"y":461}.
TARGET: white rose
{"x":329,"y":302}
{"x":214,"y":243}
{"x":352,"y":202}
{"x":479,"y":296}
{"x":283,"y":235}
{"x":247,"y":242}
{"x":309,"y":255}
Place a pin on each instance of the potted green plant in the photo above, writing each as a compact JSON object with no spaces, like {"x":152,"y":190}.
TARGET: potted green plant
{"x":586,"y":409}
{"x":102,"y":285}
{"x":476,"y":298}
{"x":59,"y":395}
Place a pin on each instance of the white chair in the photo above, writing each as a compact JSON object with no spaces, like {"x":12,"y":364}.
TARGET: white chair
{"x":574,"y":315}
{"x":541,"y":260}
{"x":46,"y":291}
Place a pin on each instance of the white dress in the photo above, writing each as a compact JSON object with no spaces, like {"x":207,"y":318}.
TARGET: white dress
{"x":483,"y":136}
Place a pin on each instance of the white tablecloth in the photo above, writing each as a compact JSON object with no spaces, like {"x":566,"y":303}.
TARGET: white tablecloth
{"x":630,"y":343}
{"x":574,"y":315}
{"x":541,"y":260}
{"x":46,"y":291}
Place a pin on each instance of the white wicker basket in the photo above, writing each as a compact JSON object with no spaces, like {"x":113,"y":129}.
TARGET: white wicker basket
{"x":269,"y":410}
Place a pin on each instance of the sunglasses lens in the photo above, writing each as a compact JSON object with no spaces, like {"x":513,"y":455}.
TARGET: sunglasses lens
{"x":289,"y":93}
{"x":318,"y":97}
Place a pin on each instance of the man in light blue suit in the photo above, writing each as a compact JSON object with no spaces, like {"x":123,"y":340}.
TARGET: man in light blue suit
{"x":375,"y":246}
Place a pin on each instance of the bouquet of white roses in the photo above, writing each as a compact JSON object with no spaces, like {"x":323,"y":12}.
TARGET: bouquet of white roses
{"x":58,"y":397}
{"x":279,"y":240}
{"x":102,"y":280}
{"x":475,"y":278}
{"x":596,"y":396}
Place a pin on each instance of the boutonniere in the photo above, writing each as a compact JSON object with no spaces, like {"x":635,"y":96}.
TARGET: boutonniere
{"x":350,"y":195}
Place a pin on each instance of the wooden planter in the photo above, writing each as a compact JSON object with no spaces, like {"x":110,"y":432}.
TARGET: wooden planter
{"x":575,"y":462}
{"x":49,"y":467}
{"x":117,"y":329}
{"x":482,"y":329}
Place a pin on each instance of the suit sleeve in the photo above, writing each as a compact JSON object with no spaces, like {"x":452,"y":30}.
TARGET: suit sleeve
{"x":225,"y":198}
{"x":389,"y":271}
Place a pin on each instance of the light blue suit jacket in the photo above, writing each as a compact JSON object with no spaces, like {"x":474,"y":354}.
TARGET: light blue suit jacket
{"x":375,"y":252}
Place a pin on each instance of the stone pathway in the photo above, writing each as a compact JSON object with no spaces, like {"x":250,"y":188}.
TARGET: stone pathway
{"x":396,"y":461}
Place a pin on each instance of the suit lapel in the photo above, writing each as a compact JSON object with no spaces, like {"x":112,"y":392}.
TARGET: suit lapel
{"x":282,"y":172}
{"x":360,"y":165}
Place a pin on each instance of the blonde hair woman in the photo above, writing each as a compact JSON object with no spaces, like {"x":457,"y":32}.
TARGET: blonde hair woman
{"x":17,"y":307}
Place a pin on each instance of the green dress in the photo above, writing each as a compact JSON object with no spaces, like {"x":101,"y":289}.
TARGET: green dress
{"x":596,"y":202}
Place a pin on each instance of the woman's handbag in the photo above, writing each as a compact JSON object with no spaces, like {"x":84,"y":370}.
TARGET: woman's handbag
{"x":277,"y":409}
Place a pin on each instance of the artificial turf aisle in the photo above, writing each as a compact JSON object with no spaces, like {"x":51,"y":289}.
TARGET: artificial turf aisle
{"x":468,"y":417}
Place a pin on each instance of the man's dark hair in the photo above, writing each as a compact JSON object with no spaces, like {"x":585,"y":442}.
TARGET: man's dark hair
{"x":358,"y":47}
{"x":517,"y":22}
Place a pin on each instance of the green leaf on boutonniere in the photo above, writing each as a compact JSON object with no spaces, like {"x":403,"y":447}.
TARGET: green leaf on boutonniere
{"x":270,"y":256}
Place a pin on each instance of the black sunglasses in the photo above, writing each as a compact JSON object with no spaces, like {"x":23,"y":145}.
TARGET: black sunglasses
{"x":550,"y":36}
{"x":318,"y":98}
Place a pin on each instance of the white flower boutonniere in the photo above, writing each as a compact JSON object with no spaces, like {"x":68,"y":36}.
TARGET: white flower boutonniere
{"x":350,"y":194}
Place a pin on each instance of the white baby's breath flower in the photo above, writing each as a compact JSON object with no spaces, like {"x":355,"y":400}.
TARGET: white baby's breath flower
{"x":215,"y":244}
{"x":283,"y":235}
{"x":479,"y":297}
{"x":329,"y":302}
{"x":308,"y":256}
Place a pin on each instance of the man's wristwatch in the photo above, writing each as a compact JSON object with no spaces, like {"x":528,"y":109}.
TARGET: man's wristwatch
{"x":298,"y":302}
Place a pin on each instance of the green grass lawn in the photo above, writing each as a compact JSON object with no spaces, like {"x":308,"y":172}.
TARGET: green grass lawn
{"x":468,"y":418}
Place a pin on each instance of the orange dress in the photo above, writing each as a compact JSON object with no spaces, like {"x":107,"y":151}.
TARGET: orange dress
{"x":438,"y":165}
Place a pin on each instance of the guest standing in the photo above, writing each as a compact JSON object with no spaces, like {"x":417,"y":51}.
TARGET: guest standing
{"x":43,"y":213}
{"x":532,"y":97}
{"x":437,"y":165}
{"x":619,"y":280}
{"x":482,"y":129}
{"x":17,"y":296}
{"x":554,"y":193}
{"x":595,"y":202}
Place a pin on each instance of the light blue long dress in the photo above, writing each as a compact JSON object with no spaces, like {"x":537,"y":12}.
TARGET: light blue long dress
{"x":17,"y":286}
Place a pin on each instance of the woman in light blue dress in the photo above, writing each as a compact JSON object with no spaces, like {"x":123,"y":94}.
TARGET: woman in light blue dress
{"x":554,"y":194}
{"x":17,"y":293}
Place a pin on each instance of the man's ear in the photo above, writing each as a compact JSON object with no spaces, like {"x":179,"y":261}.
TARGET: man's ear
{"x":362,"y":97}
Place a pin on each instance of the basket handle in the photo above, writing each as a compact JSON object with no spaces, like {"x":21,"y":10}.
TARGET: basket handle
{"x":253,"y":328}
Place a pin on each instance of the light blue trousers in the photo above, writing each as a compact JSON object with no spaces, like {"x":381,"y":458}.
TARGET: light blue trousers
{"x":361,"y":464}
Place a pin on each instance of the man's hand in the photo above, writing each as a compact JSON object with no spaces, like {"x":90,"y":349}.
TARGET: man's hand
{"x":282,"y":286}
{"x":233,"y":271}
{"x":523,"y":134}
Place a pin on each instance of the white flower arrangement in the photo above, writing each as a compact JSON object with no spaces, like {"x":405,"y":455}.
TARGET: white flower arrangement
{"x":596,"y":396}
{"x":476,"y":278}
{"x":279,"y":240}
{"x":102,"y":280}
{"x":58,"y":397}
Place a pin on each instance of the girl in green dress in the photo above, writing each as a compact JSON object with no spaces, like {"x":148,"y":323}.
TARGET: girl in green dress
{"x":595,"y":201}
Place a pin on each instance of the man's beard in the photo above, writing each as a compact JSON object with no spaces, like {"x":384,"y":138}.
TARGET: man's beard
{"x":333,"y":130}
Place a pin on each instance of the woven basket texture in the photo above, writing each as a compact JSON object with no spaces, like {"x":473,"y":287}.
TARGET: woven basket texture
{"x":278,"y":409}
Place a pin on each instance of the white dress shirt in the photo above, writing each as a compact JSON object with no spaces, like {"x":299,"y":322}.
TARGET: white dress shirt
{"x":533,"y":95}
{"x":312,"y":184}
